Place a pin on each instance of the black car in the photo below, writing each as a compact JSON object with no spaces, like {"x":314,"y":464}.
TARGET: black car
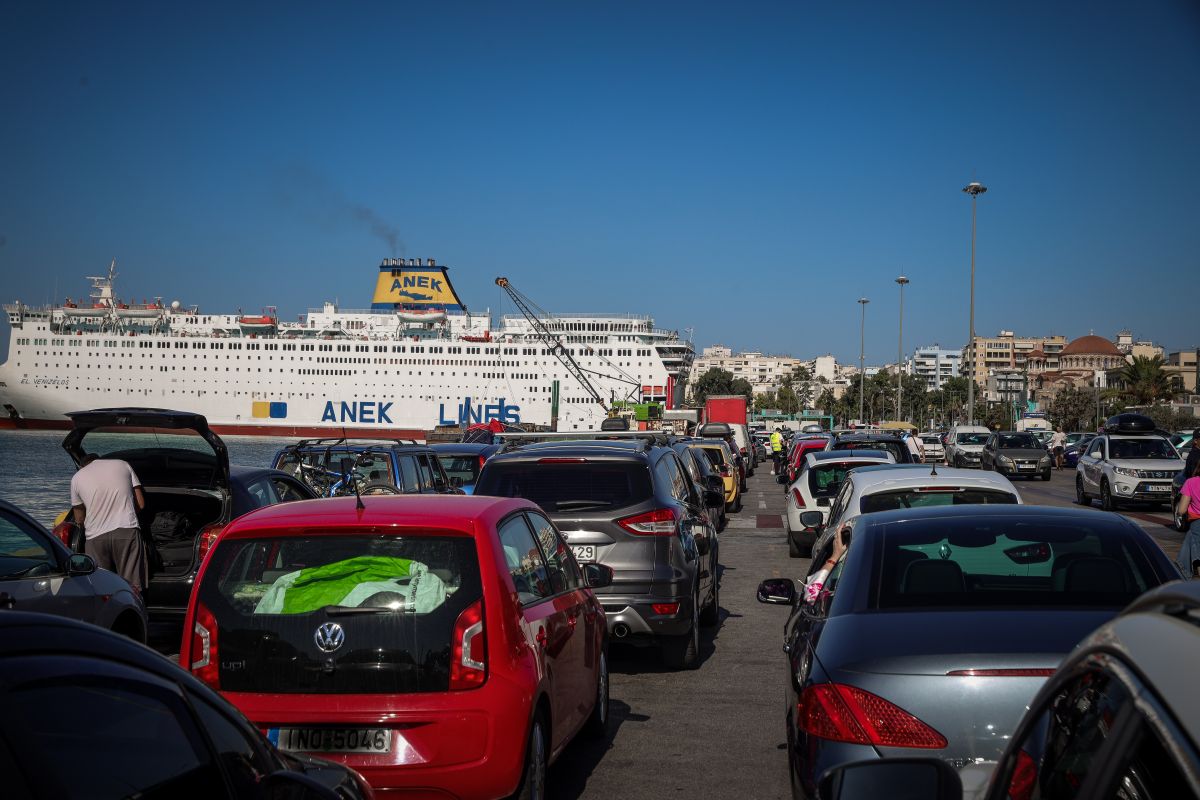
{"x":875,"y":441}
{"x":191,"y":493}
{"x":629,"y":504}
{"x":336,"y":467}
{"x":463,"y":461}
{"x":88,"y":713}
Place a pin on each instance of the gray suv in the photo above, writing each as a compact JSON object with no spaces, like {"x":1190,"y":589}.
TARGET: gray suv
{"x":630,"y":505}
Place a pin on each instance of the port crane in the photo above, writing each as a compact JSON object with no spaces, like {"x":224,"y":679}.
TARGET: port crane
{"x":531,"y":312}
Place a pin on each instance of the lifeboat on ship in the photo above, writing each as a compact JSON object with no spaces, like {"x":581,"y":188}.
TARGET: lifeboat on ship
{"x":487,"y":337}
{"x":422,"y":315}
{"x":141,"y":310}
{"x":94,"y":311}
{"x":265,"y":322}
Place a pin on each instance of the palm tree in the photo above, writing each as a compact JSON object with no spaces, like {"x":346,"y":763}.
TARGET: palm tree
{"x":1145,"y":381}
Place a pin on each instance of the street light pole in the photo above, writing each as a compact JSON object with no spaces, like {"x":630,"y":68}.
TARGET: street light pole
{"x":974,"y":188}
{"x":862,"y":354}
{"x":900,"y":350}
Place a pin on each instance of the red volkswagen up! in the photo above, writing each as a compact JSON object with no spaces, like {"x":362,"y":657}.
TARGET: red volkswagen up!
{"x":443,"y":646}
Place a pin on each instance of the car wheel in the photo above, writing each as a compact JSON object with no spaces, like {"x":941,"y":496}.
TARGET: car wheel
{"x":683,"y":652}
{"x":597,"y":724}
{"x":737,"y":504}
{"x":711,"y":614}
{"x":1081,"y":497}
{"x":533,"y":779}
{"x":793,"y":548}
{"x":1046,"y":475}
{"x":1107,"y":501}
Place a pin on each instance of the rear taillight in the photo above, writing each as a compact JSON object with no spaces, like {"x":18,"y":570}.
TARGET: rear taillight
{"x":205,"y":540}
{"x":482,"y":461}
{"x":843,"y":713}
{"x":1020,"y":785}
{"x":468,"y":655}
{"x":63,"y":531}
{"x":659,"y":522}
{"x":204,"y":647}
{"x":799,"y":498}
{"x":665,"y":608}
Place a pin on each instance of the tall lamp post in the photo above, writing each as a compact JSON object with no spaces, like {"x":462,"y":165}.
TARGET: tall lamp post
{"x":862,"y":354}
{"x":900,"y":350}
{"x":974,"y":188}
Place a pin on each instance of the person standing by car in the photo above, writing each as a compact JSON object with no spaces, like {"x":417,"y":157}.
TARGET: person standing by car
{"x":105,"y":498}
{"x":1193,"y":459}
{"x":1187,"y":511}
{"x":1058,"y":446}
{"x":776,"y":451}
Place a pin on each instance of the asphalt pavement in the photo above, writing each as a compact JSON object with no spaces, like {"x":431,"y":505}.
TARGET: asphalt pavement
{"x":719,"y":731}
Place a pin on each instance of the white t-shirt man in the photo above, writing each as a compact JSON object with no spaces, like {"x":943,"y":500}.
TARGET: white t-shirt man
{"x":1058,"y":439}
{"x":914,"y":447}
{"x":105,"y":489}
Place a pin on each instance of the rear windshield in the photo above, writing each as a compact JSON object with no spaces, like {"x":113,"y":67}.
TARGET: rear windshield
{"x":932,"y":440}
{"x":396,"y":599}
{"x":568,"y":487}
{"x":824,"y":480}
{"x":897,"y":448}
{"x":1150,"y":447}
{"x":971,"y":563}
{"x":716,"y":456}
{"x":972,"y":438}
{"x":465,"y":468}
{"x":927,"y":497}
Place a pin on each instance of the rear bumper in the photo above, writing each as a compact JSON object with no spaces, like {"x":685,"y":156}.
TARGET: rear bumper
{"x":444,"y":744}
{"x":632,"y":620}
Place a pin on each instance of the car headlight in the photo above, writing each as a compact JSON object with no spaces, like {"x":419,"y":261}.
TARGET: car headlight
{"x":1044,"y":461}
{"x":1126,"y":471}
{"x":1006,"y":461}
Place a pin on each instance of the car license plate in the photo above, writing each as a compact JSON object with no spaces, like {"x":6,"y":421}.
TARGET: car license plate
{"x":1159,"y":487}
{"x":1027,"y":466}
{"x":584,"y":553}
{"x":332,"y":740}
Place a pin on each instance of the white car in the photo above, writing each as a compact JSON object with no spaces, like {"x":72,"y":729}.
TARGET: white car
{"x":934,"y":451}
{"x":886,"y":488}
{"x":1124,"y":466}
{"x":964,"y":446}
{"x":816,"y":484}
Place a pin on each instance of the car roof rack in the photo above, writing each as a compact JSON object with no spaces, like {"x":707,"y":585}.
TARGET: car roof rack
{"x":651,"y":438}
{"x":334,"y":442}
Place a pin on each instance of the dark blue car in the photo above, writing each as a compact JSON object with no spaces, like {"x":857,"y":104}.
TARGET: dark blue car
{"x":463,"y":461}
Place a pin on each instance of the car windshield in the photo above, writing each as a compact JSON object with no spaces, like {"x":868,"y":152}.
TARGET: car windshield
{"x":395,"y":598}
{"x":972,"y":438}
{"x":931,"y":440}
{"x":564,"y":487}
{"x":897,"y":448}
{"x":971,"y":562}
{"x":1149,"y":447}
{"x":929,"y":496}
{"x":1019,"y":441}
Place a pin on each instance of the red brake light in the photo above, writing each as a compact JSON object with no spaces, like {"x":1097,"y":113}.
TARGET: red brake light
{"x":933,"y":489}
{"x":482,"y":461}
{"x":798,"y":497}
{"x":844,"y":713}
{"x":659,"y":522}
{"x":1020,"y":786}
{"x":203,"y":651}
{"x":562,"y":461}
{"x":63,"y":531}
{"x":206,"y":538}
{"x":665,"y":608}
{"x":468,"y":654}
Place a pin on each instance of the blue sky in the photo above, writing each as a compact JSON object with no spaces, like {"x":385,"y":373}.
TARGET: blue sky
{"x":747,"y":170}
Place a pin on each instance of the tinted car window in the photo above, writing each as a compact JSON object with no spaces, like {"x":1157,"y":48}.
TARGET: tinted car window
{"x":560,"y":563}
{"x":1150,"y":447}
{"x":262,"y":493}
{"x":22,"y":552}
{"x":933,"y":496}
{"x":1151,"y":772}
{"x":972,"y":438}
{"x":980,"y":561}
{"x":1022,"y":441}
{"x":427,"y":472}
{"x":568,"y":487}
{"x":242,"y":761}
{"x":897,"y":448}
{"x":270,"y":596}
{"x":408,"y":474}
{"x":288,"y":491}
{"x":524,"y":559}
{"x":824,"y":479}
{"x":465,"y":468}
{"x":107,"y":739}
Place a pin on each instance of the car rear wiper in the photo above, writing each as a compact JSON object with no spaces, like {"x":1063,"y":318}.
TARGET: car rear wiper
{"x":346,"y":611}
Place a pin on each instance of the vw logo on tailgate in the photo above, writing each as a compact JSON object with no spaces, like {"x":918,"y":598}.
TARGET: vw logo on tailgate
{"x":329,"y":637}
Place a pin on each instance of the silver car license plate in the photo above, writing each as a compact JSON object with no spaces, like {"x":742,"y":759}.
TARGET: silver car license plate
{"x":1159,"y":487}
{"x":584,"y":553}
{"x":332,"y":740}
{"x":1027,"y":466}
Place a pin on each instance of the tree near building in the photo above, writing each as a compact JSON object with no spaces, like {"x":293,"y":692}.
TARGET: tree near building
{"x":788,"y":402}
{"x":1073,"y":409}
{"x":764,"y":401}
{"x":719,"y":381}
{"x":1145,"y":381}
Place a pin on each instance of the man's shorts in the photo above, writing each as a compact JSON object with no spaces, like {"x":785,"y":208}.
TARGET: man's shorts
{"x":121,"y":551}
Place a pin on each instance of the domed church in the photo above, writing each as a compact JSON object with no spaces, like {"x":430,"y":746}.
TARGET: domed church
{"x":1076,"y":366}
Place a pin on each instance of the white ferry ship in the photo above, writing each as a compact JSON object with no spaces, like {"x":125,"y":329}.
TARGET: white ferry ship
{"x":418,"y":358}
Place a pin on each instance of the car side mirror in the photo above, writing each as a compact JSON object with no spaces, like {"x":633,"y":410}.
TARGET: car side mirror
{"x":811,"y":519}
{"x":927,"y":778}
{"x":288,"y":785}
{"x":778,"y":591}
{"x":80,"y":564}
{"x":716,"y":484}
{"x":713,"y":498}
{"x":597,"y":576}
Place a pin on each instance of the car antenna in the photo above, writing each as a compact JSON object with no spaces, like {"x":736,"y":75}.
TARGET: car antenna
{"x":933,"y":469}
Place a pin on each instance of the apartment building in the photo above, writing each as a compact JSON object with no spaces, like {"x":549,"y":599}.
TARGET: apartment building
{"x":1007,"y":351}
{"x":763,"y":372}
{"x":935,"y":364}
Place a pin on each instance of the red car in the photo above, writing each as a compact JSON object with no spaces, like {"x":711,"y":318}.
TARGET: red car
{"x":800,"y":449}
{"x":439,"y":645}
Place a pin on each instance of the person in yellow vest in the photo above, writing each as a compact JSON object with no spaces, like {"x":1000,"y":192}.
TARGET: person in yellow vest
{"x":777,"y":451}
